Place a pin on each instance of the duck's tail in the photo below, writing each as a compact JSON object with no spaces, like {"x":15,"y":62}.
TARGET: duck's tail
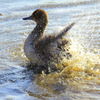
{"x":52,"y":39}
{"x":63,"y":32}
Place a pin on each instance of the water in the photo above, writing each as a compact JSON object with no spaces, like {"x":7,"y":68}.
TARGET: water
{"x":79,"y":80}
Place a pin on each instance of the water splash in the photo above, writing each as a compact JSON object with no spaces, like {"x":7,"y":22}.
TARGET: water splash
{"x":76,"y":74}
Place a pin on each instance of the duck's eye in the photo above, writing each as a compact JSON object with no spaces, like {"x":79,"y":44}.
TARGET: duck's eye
{"x":38,"y":16}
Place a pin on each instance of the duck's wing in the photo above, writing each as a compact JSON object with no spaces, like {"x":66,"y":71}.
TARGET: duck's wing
{"x":50,"y":39}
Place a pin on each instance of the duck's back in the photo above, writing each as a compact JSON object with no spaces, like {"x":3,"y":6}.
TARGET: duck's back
{"x":54,"y":52}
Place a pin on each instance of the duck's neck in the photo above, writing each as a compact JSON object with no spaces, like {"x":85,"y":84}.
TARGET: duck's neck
{"x":38,"y":31}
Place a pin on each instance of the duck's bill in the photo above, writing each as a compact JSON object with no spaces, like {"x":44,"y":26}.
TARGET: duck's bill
{"x":27,"y":18}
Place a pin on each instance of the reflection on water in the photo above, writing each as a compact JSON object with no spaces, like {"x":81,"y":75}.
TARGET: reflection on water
{"x":78,"y":79}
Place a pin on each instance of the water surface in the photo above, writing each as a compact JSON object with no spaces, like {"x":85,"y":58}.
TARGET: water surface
{"x":79,"y":80}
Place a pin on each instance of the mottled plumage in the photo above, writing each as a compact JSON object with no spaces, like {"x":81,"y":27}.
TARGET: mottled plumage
{"x":46,"y":50}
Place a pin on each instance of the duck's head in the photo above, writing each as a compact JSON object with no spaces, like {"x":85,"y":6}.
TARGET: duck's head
{"x":39,"y":16}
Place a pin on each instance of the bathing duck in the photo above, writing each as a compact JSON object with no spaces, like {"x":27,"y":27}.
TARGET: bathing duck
{"x":45,"y":50}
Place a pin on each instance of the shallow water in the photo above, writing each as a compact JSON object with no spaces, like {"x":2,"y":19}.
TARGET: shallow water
{"x":79,"y":80}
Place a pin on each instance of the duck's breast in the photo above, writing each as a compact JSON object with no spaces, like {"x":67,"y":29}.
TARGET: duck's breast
{"x":30,"y":52}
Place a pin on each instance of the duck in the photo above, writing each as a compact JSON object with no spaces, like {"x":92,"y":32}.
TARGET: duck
{"x":47,"y":50}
